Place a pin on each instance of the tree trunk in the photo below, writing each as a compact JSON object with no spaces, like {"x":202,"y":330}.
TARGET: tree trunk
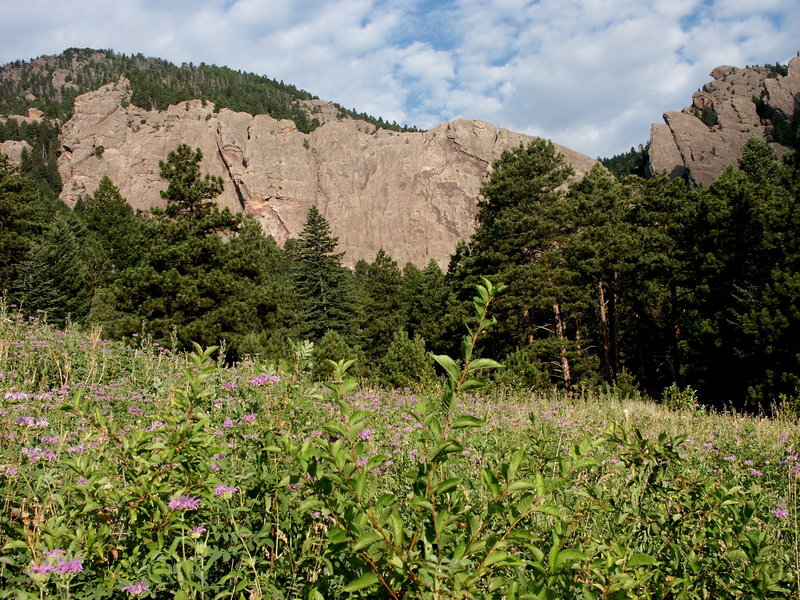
{"x":566,"y":372}
{"x":601,"y":298}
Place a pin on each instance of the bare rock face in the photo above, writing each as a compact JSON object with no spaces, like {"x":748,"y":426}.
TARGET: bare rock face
{"x":13,"y":150}
{"x":412,"y":194}
{"x":704,"y":138}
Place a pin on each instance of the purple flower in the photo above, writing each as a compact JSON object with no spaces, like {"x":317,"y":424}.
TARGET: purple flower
{"x":780,"y":511}
{"x":184,"y":503}
{"x":260,"y":380}
{"x":224,"y":490}
{"x":229,"y":423}
{"x":42,"y":569}
{"x":136,"y":589}
{"x":69,"y":566}
{"x":198,"y":530}
{"x":365,"y":434}
{"x":249,"y":417}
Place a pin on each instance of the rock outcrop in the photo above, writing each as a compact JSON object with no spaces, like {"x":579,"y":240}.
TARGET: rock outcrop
{"x":413,"y":194}
{"x":701,"y":140}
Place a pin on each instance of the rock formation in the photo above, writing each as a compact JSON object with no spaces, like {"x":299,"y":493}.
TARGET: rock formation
{"x":701,"y":140}
{"x":413,"y":194}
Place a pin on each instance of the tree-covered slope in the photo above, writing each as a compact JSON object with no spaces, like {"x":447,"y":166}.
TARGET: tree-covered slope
{"x":51,"y":84}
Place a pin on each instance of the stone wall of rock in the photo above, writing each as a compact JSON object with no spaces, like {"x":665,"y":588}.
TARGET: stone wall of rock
{"x":688,"y":145}
{"x":413,"y":194}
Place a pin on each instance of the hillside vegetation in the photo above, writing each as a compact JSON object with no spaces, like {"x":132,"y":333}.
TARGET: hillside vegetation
{"x":132,"y":471}
{"x":51,"y":84}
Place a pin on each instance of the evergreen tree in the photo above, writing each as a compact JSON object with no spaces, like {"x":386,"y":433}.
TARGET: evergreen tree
{"x":55,"y":275}
{"x":113,"y":234}
{"x":432,"y":309}
{"x":742,"y":346}
{"x":203,"y":276}
{"x":517,"y":242}
{"x":324,"y":286}
{"x":23,"y":218}
{"x":380,"y":290}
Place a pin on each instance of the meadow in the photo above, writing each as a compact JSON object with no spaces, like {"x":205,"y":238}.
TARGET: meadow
{"x":128,"y":470}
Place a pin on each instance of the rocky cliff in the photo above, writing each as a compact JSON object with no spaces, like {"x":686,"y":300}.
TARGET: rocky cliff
{"x":698,"y":142}
{"x":413,"y":194}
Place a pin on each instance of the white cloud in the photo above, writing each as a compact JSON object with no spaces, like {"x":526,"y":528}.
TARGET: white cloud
{"x":591,"y":74}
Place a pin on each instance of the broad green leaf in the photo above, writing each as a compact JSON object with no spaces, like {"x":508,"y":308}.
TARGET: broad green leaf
{"x":495,"y":557}
{"x":367,"y":539}
{"x":483,"y":363}
{"x":549,"y":509}
{"x":364,"y":581}
{"x":491,"y":481}
{"x":570,"y":556}
{"x":521,"y":485}
{"x":449,"y":365}
{"x":640,"y":560}
{"x":467,"y":421}
{"x":446,"y":486}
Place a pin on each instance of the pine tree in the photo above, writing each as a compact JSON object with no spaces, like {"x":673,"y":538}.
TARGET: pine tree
{"x":324,"y":286}
{"x":517,"y":242}
{"x":380,"y":289}
{"x":55,"y":275}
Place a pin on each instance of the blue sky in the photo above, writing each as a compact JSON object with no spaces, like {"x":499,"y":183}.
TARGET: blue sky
{"x":589,"y":74}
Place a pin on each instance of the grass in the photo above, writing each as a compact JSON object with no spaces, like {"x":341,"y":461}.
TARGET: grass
{"x":160,"y":474}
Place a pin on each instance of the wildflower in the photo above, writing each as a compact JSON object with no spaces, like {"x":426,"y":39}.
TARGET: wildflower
{"x":198,"y":530}
{"x":82,"y":481}
{"x":756,"y":473}
{"x":729,"y":458}
{"x":225,"y":491}
{"x":229,"y":423}
{"x":184,"y":503}
{"x":135,"y":410}
{"x":365,"y":434}
{"x":780,"y":511}
{"x":249,"y":417}
{"x":136,"y":589}
{"x":261,"y":380}
{"x":69,"y":566}
{"x":42,"y":569}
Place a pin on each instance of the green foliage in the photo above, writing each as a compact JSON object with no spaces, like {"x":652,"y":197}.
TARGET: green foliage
{"x":156,"y":84}
{"x":633,"y":162}
{"x":54,"y":276}
{"x":708,"y":115}
{"x":23,"y":218}
{"x":151,"y":474}
{"x":325,"y":288}
{"x":406,"y":363}
{"x":379,"y":287}
{"x":192,"y":284}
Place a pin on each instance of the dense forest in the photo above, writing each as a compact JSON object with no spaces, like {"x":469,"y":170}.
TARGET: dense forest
{"x":633,"y":283}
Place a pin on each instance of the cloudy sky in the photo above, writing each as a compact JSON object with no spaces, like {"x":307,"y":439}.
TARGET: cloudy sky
{"x":589,"y":74}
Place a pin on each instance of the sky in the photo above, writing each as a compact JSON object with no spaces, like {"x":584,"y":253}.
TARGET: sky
{"x":588,"y":74}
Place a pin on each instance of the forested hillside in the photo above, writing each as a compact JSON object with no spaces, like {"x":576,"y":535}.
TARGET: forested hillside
{"x":635,"y":283}
{"x":51,"y":84}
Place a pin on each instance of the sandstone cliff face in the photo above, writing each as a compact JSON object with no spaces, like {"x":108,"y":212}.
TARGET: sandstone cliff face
{"x":413,"y":194}
{"x":686,"y":146}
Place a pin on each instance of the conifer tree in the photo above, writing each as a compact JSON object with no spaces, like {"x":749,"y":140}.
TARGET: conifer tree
{"x":380,"y":289}
{"x":55,"y":275}
{"x":324,"y":286}
{"x":517,"y":243}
